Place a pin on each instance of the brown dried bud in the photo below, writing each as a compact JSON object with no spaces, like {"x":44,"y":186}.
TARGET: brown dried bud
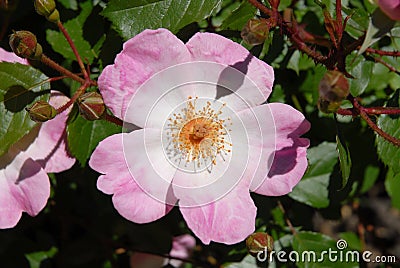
{"x":24,"y":45}
{"x":255,"y":31}
{"x":333,"y":89}
{"x":41,"y":111}
{"x":259,"y":242}
{"x":91,"y":106}
{"x":47,"y":8}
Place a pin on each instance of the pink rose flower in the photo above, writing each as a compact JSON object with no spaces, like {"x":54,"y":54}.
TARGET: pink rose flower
{"x":197,"y":147}
{"x":390,"y":8}
{"x":182,"y":247}
{"x":24,"y":184}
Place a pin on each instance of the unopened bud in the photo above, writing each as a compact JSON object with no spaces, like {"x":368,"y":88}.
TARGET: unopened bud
{"x":41,"y":111}
{"x":24,"y":45}
{"x":91,"y":106}
{"x":333,"y":89}
{"x":259,"y":242}
{"x":47,"y":8}
{"x":255,"y":31}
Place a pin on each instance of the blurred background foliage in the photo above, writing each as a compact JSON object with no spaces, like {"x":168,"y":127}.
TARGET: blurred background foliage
{"x":80,"y":227}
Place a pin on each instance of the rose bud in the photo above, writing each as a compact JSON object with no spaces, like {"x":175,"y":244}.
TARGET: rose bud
{"x":259,"y":242}
{"x":24,"y":45}
{"x":91,"y":106}
{"x":255,"y":31}
{"x":333,"y":89}
{"x":41,"y":111}
{"x":47,"y":8}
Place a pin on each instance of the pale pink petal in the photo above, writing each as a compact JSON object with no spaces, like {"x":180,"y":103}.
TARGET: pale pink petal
{"x":148,"y":164}
{"x":182,"y":247}
{"x":290,"y":160}
{"x":11,"y":57}
{"x":229,"y":220}
{"x":391,"y":8}
{"x":48,"y":145}
{"x":128,"y":198}
{"x":216,"y":48}
{"x":142,"y":56}
{"x":159,"y":96}
{"x":24,"y":187}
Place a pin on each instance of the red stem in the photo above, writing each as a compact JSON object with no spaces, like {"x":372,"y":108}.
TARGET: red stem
{"x":383,"y":53}
{"x":113,"y":119}
{"x":78,"y":93}
{"x":261,"y":7}
{"x":370,"y":111}
{"x":74,"y":50}
{"x":49,"y":62}
{"x":367,"y":119}
{"x":339,"y":20}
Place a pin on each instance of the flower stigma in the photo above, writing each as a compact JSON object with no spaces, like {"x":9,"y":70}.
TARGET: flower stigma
{"x":197,"y":135}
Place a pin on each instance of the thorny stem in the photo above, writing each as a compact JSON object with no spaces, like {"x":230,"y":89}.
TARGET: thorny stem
{"x":74,"y":50}
{"x":387,"y":65}
{"x":383,"y":53}
{"x":336,"y":57}
{"x":370,"y":110}
{"x":366,"y":117}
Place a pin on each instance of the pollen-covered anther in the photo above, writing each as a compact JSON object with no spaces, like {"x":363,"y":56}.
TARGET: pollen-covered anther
{"x":198,"y":135}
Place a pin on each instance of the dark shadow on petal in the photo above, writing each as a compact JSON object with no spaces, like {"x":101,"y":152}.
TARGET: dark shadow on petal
{"x":28,"y":169}
{"x":285,"y":159}
{"x":229,"y":80}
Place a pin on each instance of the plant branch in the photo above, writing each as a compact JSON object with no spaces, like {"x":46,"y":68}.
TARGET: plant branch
{"x":78,"y":93}
{"x":49,"y":62}
{"x":382,"y":133}
{"x":113,"y":119}
{"x":74,"y":50}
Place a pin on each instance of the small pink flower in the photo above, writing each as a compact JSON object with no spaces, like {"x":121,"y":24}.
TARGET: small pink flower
{"x":391,"y":8}
{"x":205,"y":140}
{"x":24,"y":184}
{"x":182,"y":247}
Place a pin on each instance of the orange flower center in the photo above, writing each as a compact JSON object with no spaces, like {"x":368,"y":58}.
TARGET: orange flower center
{"x":198,"y":135}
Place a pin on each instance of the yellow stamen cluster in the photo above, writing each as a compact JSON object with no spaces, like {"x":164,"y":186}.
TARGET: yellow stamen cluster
{"x":198,"y":135}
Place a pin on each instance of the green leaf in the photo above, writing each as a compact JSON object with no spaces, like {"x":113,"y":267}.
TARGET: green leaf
{"x":299,"y":62}
{"x":392,"y":185}
{"x":84,"y":136}
{"x":239,"y":17}
{"x":132,"y":17}
{"x":20,"y":86}
{"x":361,"y":69}
{"x":344,"y":159}
{"x":313,"y":188}
{"x":36,"y":258}
{"x":70,"y":4}
{"x":370,"y":176}
{"x":389,"y":153}
{"x":379,"y":25}
{"x":75,"y":29}
{"x":308,"y":243}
